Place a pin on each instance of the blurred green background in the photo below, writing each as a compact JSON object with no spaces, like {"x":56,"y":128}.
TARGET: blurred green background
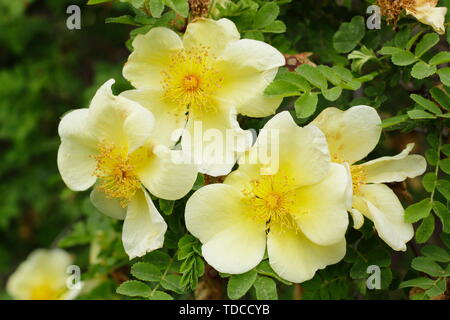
{"x":46,"y":70}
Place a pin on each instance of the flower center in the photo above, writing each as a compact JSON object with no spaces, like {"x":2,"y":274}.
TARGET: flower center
{"x":191,"y":83}
{"x":45,"y":292}
{"x":359,"y":176}
{"x":271,"y":198}
{"x":191,"y":80}
{"x":116,"y":170}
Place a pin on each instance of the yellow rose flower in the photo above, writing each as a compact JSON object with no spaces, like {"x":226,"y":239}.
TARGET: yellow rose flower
{"x":426,"y":12}
{"x":299,"y":210}
{"x":208,"y":76}
{"x":42,"y":276}
{"x":351,"y":136}
{"x":114,"y":143}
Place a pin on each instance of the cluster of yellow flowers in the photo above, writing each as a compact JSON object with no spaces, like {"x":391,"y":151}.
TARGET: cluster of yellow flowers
{"x":124,"y":147}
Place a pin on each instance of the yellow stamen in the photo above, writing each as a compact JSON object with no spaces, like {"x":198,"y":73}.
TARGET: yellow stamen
{"x":116,"y":170}
{"x":191,"y":80}
{"x":271,"y":199}
{"x":359,"y":176}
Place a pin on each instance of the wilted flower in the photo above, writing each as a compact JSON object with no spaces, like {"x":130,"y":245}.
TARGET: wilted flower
{"x":426,"y":12}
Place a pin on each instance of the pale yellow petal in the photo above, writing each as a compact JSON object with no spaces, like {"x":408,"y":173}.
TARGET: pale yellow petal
{"x":144,"y":228}
{"x":300,"y":153}
{"x":248,"y":67}
{"x":351,"y":134}
{"x":166,"y":176}
{"x":151,"y":56}
{"x":213,"y":34}
{"x":396,"y":168}
{"x":358,"y":218}
{"x":75,"y":154}
{"x":170,"y":120}
{"x":295,"y":258}
{"x":232,"y":241}
{"x":320,"y":208}
{"x":118,"y":120}
{"x":380,"y":204}
{"x":109,"y":206}
{"x":214,"y":140}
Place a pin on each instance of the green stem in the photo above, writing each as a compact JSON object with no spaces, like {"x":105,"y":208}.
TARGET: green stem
{"x":164,"y":274}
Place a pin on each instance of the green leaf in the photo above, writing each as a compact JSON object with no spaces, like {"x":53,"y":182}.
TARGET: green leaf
{"x":426,"y":43}
{"x":160,"y":295}
{"x":418,"y":211}
{"x":422,"y":282}
{"x":295,"y":79}
{"x":440,"y":58}
{"x":332,"y":94}
{"x":427,"y":104}
{"x":179,"y":6}
{"x":394,"y":121}
{"x":425,"y":230}
{"x":427,"y":265}
{"x":281,"y":88}
{"x":172,"y":282}
{"x":277,"y":26}
{"x":123,"y":20}
{"x":441,"y":97}
{"x":436,"y":253}
{"x":349,"y":34}
{"x":266,"y":289}
{"x":166,"y":206}
{"x":438,"y":288}
{"x":156,"y":7}
{"x":305,"y":106}
{"x":387,"y":50}
{"x":313,"y":75}
{"x":265,"y":269}
{"x":421,"y":70}
{"x":431,"y":156}
{"x":444,"y":215}
{"x":445,"y":149}
{"x":266,"y":15}
{"x":420,"y":114}
{"x":428,"y":181}
{"x":255,"y":35}
{"x":350,"y":82}
{"x":239,"y":284}
{"x":443,"y":187}
{"x":403,"y":58}
{"x":445,"y":239}
{"x":444,"y":165}
{"x":158,"y":258}
{"x":413,"y":40}
{"x":146,"y":271}
{"x":331,"y":75}
{"x":134,"y":288}
{"x":444,"y":75}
